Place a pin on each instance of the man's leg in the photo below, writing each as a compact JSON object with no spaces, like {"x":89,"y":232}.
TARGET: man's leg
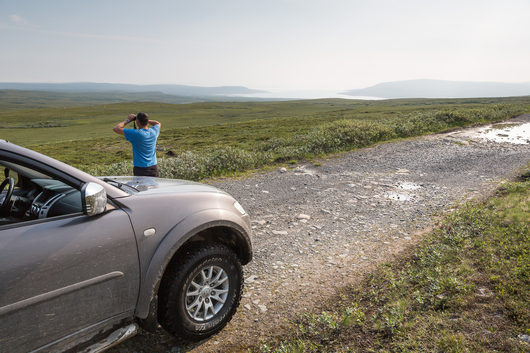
{"x":151,"y":171}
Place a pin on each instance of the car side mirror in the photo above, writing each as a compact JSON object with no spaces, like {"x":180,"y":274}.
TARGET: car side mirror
{"x":94,"y":199}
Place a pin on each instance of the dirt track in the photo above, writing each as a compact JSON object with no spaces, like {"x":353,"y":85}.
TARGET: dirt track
{"x":320,"y":227}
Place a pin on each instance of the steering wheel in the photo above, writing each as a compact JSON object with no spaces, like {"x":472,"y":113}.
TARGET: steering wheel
{"x":11,"y":182}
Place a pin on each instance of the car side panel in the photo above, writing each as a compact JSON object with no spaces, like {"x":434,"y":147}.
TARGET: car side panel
{"x":62,"y":275}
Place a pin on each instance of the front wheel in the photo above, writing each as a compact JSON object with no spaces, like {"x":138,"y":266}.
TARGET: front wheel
{"x":201,"y":292}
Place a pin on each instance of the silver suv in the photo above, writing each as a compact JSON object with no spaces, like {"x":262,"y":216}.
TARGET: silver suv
{"x":85,"y":261}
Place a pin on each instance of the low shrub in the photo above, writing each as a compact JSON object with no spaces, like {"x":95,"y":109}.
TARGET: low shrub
{"x":194,"y":166}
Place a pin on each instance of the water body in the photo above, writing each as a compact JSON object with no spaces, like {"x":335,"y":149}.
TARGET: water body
{"x":517,"y":134}
{"x":514,"y":133}
{"x":304,"y":94}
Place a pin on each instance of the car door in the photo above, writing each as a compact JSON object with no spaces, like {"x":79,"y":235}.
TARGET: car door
{"x":63,"y":277}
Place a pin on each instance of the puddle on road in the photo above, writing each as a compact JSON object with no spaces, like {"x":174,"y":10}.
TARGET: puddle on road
{"x":408,"y":186}
{"x":398,"y":196}
{"x":518,"y":134}
{"x":403,"y":196}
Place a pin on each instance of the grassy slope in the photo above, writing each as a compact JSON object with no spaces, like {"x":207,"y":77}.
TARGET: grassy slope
{"x":11,"y":100}
{"x":465,"y":289}
{"x":61,"y":124}
{"x":77,"y":123}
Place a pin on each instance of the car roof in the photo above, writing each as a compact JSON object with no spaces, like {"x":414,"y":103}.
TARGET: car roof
{"x":65,"y":168}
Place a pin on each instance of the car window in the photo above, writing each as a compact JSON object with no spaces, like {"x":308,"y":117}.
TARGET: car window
{"x":35,"y":195}
{"x":5,"y":172}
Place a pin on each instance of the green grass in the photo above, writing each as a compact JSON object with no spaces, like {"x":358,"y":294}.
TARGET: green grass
{"x":265,"y":133}
{"x":466,"y":288}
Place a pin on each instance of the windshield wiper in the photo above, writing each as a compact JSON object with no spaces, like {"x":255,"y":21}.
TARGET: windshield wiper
{"x":118,"y":184}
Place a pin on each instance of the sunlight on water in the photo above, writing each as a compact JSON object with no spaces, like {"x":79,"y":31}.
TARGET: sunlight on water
{"x":519,"y":134}
{"x":502,"y":133}
{"x":302,"y":94}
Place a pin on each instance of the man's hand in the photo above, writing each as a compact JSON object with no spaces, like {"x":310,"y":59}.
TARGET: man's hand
{"x":154,"y":122}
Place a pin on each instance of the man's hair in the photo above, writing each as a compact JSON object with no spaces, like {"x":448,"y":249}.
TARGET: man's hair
{"x":142,"y":118}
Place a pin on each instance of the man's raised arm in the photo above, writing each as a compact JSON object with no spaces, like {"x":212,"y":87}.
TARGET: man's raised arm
{"x":154,"y":122}
{"x":119,"y":128}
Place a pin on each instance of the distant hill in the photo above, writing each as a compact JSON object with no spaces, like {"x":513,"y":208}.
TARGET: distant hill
{"x":22,"y":99}
{"x":442,"y":89}
{"x":179,"y":90}
{"x":16,"y":96}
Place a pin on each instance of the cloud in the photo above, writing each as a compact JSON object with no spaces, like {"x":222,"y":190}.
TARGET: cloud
{"x":16,"y":19}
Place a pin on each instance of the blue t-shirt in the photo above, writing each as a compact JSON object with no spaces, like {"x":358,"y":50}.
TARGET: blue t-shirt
{"x":143,"y":144}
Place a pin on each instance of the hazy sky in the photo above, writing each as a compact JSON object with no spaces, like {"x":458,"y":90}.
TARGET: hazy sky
{"x":264,"y":44}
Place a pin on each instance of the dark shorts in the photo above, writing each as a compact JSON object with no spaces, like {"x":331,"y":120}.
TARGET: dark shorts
{"x":151,"y":171}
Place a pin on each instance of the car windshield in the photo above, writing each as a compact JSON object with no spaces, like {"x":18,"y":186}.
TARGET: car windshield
{"x":24,"y":171}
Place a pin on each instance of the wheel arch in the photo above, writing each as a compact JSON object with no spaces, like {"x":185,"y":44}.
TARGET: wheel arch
{"x":216,"y":226}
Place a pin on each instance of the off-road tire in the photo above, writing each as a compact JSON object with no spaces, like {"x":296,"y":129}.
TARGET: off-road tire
{"x":172,"y":312}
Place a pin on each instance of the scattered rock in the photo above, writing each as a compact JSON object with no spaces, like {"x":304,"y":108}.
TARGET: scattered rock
{"x":524,"y":338}
{"x":279,"y":232}
{"x":484,"y":292}
{"x":251,"y":279}
{"x":304,"y":216}
{"x":283,"y":170}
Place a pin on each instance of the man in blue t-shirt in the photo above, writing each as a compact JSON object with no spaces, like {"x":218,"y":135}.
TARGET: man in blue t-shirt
{"x":143,"y":142}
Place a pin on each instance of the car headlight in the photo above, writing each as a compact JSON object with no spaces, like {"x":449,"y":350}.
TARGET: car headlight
{"x":239,"y":208}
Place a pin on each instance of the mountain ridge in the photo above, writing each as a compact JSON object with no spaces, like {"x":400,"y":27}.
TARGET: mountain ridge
{"x":430,"y":88}
{"x":171,"y":89}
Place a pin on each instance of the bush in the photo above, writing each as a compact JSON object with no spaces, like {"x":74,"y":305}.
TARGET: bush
{"x":120,"y":168}
{"x":342,"y":135}
{"x":194,"y":166}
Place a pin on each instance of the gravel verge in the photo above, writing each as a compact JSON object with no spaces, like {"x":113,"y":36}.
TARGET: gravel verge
{"x":320,"y":227}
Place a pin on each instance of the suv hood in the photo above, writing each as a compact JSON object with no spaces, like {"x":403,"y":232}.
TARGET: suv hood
{"x":150,"y":185}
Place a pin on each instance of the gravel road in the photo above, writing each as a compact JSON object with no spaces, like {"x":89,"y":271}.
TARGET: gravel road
{"x":318,"y":227}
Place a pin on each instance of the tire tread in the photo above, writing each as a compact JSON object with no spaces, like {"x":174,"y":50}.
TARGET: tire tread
{"x":168,"y":291}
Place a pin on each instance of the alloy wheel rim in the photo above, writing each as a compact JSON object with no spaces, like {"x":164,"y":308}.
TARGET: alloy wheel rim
{"x":207,"y":293}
